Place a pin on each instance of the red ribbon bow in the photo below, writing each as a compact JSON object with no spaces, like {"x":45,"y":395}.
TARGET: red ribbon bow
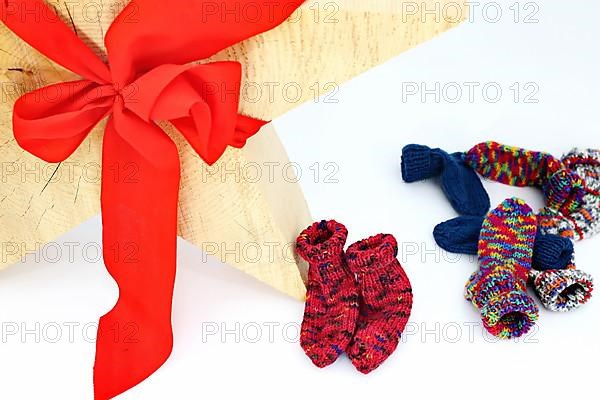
{"x":146,"y":79}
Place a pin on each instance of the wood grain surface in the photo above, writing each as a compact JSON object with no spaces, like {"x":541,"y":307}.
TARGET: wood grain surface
{"x":235,"y":210}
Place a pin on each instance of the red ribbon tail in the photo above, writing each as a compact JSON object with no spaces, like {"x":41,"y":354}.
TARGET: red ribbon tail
{"x":140,"y":184}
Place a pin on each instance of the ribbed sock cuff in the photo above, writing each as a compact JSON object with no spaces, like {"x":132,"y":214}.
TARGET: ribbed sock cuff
{"x":374,"y":252}
{"x":509,"y":315}
{"x":421,"y":162}
{"x":562,"y":290}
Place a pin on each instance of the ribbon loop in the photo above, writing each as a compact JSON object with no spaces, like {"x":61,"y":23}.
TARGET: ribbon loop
{"x":200,"y":100}
{"x":150,"y":33}
{"x":51,"y":122}
{"x":162,"y":93}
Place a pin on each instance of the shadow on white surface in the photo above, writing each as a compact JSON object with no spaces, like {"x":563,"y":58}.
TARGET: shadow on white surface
{"x":230,"y":331}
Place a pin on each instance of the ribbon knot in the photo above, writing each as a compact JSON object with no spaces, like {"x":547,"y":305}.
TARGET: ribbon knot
{"x":52,"y":121}
{"x":117,"y":88}
{"x":148,"y":78}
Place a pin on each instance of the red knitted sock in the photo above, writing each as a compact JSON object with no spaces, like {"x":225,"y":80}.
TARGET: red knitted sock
{"x":331,"y":308}
{"x":387,"y":300}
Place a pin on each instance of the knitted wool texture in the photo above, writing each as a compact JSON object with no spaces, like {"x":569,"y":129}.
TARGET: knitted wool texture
{"x":512,"y":165}
{"x":585,"y":221}
{"x":386,"y":301}
{"x":332,"y":302}
{"x":572,"y":190}
{"x":558,"y":285}
{"x":498,"y":289}
{"x":461,"y":235}
{"x":460,"y":184}
{"x":563,"y":188}
{"x":562,"y":290}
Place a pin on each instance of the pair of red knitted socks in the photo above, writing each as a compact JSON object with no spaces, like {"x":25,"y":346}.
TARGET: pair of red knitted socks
{"x":357,"y":302}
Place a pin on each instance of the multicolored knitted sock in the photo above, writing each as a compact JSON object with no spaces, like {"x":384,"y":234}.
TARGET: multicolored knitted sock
{"x":567,"y":290}
{"x":512,"y":165}
{"x":563,"y":189}
{"x":461,"y":235}
{"x":332,"y":301}
{"x":461,"y":185}
{"x":498,"y":289}
{"x":578,"y":225}
{"x":586,"y":163}
{"x":386,"y":300}
{"x":559,"y":286}
{"x":562,"y":290}
{"x":584,"y":222}
{"x":557,"y":290}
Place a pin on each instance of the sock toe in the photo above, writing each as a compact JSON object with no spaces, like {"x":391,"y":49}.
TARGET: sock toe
{"x":459,"y":235}
{"x":369,"y":350}
{"x":552,"y":252}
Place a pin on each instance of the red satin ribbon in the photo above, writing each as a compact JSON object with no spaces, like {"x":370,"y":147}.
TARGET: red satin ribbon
{"x":147,"y":78}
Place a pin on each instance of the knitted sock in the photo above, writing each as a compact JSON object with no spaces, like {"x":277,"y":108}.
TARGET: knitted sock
{"x":512,"y":165}
{"x":332,"y":307}
{"x":552,"y":252}
{"x":558,"y":285}
{"x":583,"y":222}
{"x":563,"y":189}
{"x":461,"y":185}
{"x":566,"y":290}
{"x":586,"y":163}
{"x":461,"y":235}
{"x":498,"y":289}
{"x":387,"y":300}
{"x":562,"y":290}
{"x":578,"y":225}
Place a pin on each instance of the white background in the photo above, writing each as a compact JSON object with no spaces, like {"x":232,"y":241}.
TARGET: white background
{"x":362,"y":135}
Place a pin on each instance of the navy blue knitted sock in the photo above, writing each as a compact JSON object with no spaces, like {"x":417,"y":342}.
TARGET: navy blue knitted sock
{"x":462,"y":186}
{"x":461,"y":235}
{"x":552,"y":252}
{"x":420,"y":162}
